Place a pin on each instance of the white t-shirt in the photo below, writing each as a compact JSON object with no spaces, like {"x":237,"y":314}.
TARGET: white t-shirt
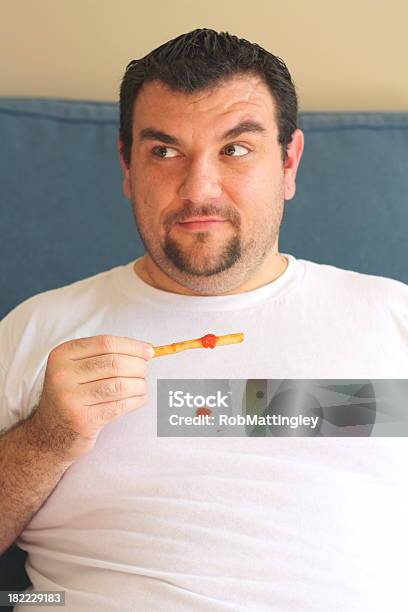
{"x":222,"y":524}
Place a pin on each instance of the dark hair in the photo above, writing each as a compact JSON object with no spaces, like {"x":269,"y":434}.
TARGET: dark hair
{"x":203,"y":59}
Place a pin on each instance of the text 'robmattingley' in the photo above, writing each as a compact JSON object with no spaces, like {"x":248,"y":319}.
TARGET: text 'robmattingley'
{"x":248,"y":420}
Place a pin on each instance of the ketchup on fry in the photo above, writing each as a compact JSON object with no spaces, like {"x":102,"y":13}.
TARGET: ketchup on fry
{"x":209,"y":341}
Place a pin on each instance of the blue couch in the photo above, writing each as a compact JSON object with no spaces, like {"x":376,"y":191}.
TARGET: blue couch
{"x":63,"y":216}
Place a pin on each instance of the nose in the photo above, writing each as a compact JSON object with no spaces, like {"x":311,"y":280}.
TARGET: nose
{"x":201,"y":183}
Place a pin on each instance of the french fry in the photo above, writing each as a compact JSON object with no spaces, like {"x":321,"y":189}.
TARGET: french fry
{"x":207,"y":341}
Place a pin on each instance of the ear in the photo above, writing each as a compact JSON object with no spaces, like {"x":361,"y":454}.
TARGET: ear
{"x":125,"y":170}
{"x":295,"y":150}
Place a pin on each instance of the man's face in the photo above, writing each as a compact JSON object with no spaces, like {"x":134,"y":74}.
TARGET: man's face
{"x":185,"y":164}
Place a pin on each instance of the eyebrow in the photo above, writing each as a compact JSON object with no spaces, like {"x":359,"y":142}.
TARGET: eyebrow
{"x":241,"y":128}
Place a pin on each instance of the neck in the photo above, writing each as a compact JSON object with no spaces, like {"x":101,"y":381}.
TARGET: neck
{"x":148,"y":272}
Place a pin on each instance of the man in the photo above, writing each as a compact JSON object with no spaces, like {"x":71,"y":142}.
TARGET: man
{"x":122,"y":519}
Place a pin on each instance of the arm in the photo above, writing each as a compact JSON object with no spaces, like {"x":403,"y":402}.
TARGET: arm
{"x":88,"y":383}
{"x":31,"y":465}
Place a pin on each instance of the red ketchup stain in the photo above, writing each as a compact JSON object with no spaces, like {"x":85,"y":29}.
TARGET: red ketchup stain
{"x":209,"y":341}
{"x":203,"y":411}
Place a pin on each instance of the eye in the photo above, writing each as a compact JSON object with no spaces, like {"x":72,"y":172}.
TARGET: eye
{"x":230,"y":149}
{"x":161,"y":152}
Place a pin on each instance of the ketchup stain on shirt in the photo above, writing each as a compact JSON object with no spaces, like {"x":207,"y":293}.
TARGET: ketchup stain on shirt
{"x":203,"y":411}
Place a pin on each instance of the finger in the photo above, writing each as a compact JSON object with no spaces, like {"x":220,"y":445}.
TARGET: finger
{"x":111,"y":389}
{"x":109,"y":366}
{"x":93,"y":346}
{"x":107,"y":411}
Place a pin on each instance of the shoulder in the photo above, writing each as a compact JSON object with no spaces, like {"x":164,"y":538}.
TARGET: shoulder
{"x":366,"y":300}
{"x":30,"y":331}
{"x":357,"y":285}
{"x":45,"y":318}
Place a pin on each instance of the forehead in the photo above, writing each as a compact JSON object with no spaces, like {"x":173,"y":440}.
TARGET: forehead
{"x":243,"y":96}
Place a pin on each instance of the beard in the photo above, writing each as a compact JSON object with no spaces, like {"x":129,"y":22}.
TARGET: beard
{"x":204,"y":262}
{"x":196,"y":262}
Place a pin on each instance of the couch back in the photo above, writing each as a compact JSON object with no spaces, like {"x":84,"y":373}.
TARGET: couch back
{"x":63,"y":216}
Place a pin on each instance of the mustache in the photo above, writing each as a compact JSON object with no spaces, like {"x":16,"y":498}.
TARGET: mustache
{"x":208,"y":211}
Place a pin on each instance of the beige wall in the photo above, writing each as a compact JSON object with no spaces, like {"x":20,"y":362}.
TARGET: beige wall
{"x":343,"y":55}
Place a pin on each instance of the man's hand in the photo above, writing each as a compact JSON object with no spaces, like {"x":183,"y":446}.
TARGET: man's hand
{"x":88,"y":383}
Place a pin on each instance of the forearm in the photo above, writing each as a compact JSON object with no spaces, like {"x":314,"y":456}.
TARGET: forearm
{"x":32,"y":462}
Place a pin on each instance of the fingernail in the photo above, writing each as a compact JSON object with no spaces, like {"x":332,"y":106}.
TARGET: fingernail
{"x":149,"y":351}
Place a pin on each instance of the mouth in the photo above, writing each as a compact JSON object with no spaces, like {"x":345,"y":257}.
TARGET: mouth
{"x":202,"y":224}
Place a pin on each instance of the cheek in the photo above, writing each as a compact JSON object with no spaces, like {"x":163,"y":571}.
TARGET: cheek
{"x":258,"y":197}
{"x":269,"y":185}
{"x":252,"y":190}
{"x":146,"y":190}
{"x":151,"y":199}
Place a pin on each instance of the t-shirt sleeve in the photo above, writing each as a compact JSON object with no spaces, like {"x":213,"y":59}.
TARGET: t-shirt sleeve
{"x":5,"y":422}
{"x":18,"y":386}
{"x":6,"y":417}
